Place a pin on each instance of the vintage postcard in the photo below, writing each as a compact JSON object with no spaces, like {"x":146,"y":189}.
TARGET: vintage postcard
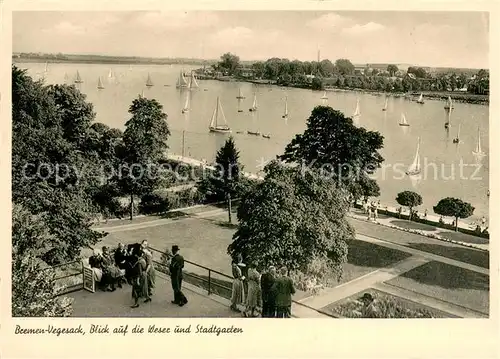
{"x":178,"y":170}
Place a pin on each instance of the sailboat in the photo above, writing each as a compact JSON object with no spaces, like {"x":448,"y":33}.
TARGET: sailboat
{"x":240,"y":95}
{"x":130,"y":67}
{"x":193,"y":84}
{"x":324,"y":97}
{"x":285,"y":115}
{"x":357,"y":111}
{"x":403,"y":121}
{"x":385,"y":105}
{"x":478,"y":151}
{"x":449,"y":104}
{"x":254,"y":105}
{"x":255,"y":133}
{"x":181,"y":81}
{"x":186,"y":104}
{"x":457,"y":139}
{"x":100,"y":86}
{"x":448,"y":120}
{"x":214,"y":122}
{"x":421,"y":99}
{"x":266,"y":135}
{"x":46,"y":67}
{"x":78,"y":79}
{"x":414,"y":169}
{"x":149,"y":83}
{"x":66,"y":78}
{"x":142,"y":94}
{"x":110,"y":74}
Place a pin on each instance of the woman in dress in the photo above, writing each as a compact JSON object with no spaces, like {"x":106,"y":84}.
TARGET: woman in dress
{"x":112,"y":275}
{"x":139,"y":279}
{"x":253,"y":296}
{"x":237,"y":293}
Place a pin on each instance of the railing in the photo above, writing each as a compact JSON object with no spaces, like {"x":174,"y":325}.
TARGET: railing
{"x":68,"y":288}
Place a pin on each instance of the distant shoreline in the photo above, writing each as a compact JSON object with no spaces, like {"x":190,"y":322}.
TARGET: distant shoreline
{"x":107,"y":61}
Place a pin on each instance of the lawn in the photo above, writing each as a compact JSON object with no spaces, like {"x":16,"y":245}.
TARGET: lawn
{"x":448,"y":283}
{"x":442,"y":248}
{"x":387,"y":306}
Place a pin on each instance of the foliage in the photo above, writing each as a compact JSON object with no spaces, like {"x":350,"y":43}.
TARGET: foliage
{"x":53,"y":175}
{"x":344,"y":67}
{"x":291,"y":218}
{"x":33,"y":287}
{"x":417,"y":71}
{"x":365,"y":187}
{"x":229,"y":63}
{"x":333,"y":145}
{"x":454,"y":207}
{"x":409,"y":199}
{"x":392,"y":69}
{"x":144,"y":145}
{"x":317,"y":84}
{"x":153,"y":203}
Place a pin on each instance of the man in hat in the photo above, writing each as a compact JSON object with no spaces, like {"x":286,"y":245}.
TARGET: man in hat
{"x":176,"y":265}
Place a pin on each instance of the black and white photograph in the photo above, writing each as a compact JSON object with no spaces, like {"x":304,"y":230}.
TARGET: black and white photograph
{"x":250,"y":164}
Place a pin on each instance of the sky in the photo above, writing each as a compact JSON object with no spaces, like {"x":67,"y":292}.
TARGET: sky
{"x":447,"y":39}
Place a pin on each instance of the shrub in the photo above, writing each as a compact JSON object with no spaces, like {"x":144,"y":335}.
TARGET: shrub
{"x":153,"y":204}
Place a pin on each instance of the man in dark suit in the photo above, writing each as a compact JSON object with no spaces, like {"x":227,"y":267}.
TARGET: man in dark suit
{"x":176,"y":265}
{"x":284,"y":290}
{"x":267,"y":281}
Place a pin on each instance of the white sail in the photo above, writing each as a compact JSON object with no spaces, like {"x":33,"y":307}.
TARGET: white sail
{"x":403,"y":121}
{"x":46,"y":67}
{"x":99,"y":84}
{"x":110,"y":74}
{"x":192,"y":81}
{"x":421,"y":98}
{"x":285,"y":115}
{"x":478,"y":150}
{"x":181,"y":81}
{"x":385,"y":105}
{"x":415,"y":168}
{"x":78,"y":79}
{"x":149,"y":82}
{"x":217,"y":115}
{"x":357,"y":111}
{"x":186,"y":104}
{"x":66,"y":78}
{"x":254,"y":105}
{"x":324,"y":97}
{"x":240,"y":94}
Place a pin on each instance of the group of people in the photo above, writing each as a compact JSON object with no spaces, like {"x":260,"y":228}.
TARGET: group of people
{"x":371,"y":209}
{"x":270,"y":292}
{"x":133,"y":264}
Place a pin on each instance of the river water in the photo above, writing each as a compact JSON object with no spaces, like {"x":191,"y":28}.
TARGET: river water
{"x":448,"y":169}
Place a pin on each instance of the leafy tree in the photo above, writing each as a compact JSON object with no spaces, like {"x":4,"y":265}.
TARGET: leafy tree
{"x":317,"y":84}
{"x":333,"y":145}
{"x":33,"y":286}
{"x":144,"y":146}
{"x":409,"y":199}
{"x":344,"y":67}
{"x":229,"y":63}
{"x":294,"y":219}
{"x":454,"y":207}
{"x":363,"y":188}
{"x":51,"y":176}
{"x":419,"y":72}
{"x":227,"y":181}
{"x":392,"y":69}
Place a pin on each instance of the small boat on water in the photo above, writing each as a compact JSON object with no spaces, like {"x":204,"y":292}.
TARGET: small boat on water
{"x":420,"y":100}
{"x":385,"y":105}
{"x":449,"y":104}
{"x":285,"y":115}
{"x":478,"y":151}
{"x":239,"y":132}
{"x":403,"y":121}
{"x":186,"y":104}
{"x":254,"y":105}
{"x":78,"y":79}
{"x":448,"y":120}
{"x":324,"y":97}
{"x":414,"y":169}
{"x":255,"y":133}
{"x":181,"y":81}
{"x":266,"y":135}
{"x":218,"y":116}
{"x":357,"y":112}
{"x":457,"y":139}
{"x":240,"y":95}
{"x":193,"y":84}
{"x":111,"y":74}
{"x":141,"y":95}
{"x":66,"y":78}
{"x":46,"y":69}
{"x":149,"y":82}
{"x":100,"y":86}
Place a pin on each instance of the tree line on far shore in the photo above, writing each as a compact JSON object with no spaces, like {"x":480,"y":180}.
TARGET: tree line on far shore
{"x":343,"y":74}
{"x":296,"y":216}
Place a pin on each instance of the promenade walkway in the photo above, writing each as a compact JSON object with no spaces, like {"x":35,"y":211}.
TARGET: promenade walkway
{"x":422,"y":250}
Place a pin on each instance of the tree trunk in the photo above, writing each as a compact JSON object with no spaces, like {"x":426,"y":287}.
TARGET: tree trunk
{"x":131,"y":206}
{"x":229,"y":207}
{"x":409,"y":215}
{"x":456,"y":224}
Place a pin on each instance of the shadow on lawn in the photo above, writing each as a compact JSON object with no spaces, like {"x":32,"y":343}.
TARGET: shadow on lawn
{"x":462,"y":237}
{"x":467,"y":255}
{"x":448,"y":276}
{"x":174,"y":215}
{"x":412,"y":225}
{"x":365,"y":254}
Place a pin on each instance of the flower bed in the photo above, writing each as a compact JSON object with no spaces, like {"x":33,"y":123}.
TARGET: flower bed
{"x":375,"y":304}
